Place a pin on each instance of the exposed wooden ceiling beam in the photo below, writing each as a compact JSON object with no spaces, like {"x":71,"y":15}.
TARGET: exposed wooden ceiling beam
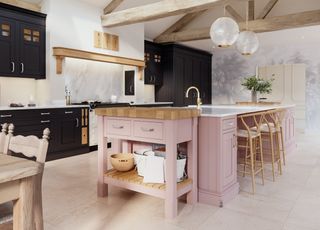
{"x":234,"y":14}
{"x":22,"y":4}
{"x":307,"y":18}
{"x":251,"y":10}
{"x":181,"y":23}
{"x":266,"y":10}
{"x":112,"y":6}
{"x":156,"y":10}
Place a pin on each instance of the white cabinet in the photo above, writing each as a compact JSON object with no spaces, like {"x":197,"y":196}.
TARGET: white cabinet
{"x":289,"y":87}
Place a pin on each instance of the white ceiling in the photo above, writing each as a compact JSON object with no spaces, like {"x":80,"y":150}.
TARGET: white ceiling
{"x":156,"y":27}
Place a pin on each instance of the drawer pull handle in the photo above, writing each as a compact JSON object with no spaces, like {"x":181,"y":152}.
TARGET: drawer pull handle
{"x":5,"y":116}
{"x":77,"y":122}
{"x":117,"y":127}
{"x":68,"y":112}
{"x":44,"y":122}
{"x":22,"y":68}
{"x":13,"y":67}
{"x":43,"y":114}
{"x":146,"y":130}
{"x":231,"y":124}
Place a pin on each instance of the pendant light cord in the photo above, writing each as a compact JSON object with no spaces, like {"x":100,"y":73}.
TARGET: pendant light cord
{"x":247,"y":16}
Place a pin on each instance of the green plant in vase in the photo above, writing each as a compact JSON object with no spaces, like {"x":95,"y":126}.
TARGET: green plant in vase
{"x":257,"y":85}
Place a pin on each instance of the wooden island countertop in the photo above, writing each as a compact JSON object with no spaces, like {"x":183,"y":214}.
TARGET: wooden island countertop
{"x":159,"y":113}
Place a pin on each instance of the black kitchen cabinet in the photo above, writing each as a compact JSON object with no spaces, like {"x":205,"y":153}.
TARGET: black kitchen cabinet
{"x":69,"y":128}
{"x":184,"y":67}
{"x":23,"y":41}
{"x":153,"y":59}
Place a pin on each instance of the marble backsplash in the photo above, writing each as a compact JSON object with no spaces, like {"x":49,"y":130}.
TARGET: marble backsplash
{"x":89,"y":80}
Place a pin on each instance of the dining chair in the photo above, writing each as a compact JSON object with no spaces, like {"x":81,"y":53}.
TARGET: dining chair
{"x":30,"y":146}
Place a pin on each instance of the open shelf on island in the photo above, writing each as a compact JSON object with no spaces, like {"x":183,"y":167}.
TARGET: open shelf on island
{"x":131,"y":180}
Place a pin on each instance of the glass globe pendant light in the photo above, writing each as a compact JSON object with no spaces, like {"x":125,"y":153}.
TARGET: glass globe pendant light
{"x":247,"y":42}
{"x":224,"y":32}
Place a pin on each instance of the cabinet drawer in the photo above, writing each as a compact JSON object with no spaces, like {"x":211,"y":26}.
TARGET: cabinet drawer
{"x":229,"y":124}
{"x":118,"y":127}
{"x":151,"y":130}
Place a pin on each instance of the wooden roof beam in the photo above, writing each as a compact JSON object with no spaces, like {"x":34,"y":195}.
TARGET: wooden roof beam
{"x":112,"y":6}
{"x":234,"y":14}
{"x":266,"y":10}
{"x":22,"y":4}
{"x":181,"y":23}
{"x":289,"y":21}
{"x":156,"y":10}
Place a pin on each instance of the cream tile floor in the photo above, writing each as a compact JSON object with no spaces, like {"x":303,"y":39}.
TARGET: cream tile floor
{"x":290,"y":203}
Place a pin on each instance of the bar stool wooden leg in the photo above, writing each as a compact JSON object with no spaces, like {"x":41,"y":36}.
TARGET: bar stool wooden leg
{"x":272,"y":156}
{"x":278,"y":153}
{"x":282,"y":147}
{"x":261,"y":159}
{"x":245,"y":158}
{"x":252,"y":166}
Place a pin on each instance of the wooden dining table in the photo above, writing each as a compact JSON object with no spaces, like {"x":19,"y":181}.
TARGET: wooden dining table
{"x":18,"y":180}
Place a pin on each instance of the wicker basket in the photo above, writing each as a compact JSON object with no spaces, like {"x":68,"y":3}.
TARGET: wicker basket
{"x":122,"y":161}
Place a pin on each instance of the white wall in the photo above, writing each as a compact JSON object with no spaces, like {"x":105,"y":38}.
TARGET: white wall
{"x":71,"y":24}
{"x":280,"y":47}
{"x":16,"y":90}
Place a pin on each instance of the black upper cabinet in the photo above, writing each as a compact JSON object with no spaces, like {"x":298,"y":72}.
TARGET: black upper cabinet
{"x":153,"y":59}
{"x":23,"y":42}
{"x":184,"y":67}
{"x":7,"y":47}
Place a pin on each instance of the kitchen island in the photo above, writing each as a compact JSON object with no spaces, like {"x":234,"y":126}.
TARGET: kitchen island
{"x":165,"y":126}
{"x":217,"y":151}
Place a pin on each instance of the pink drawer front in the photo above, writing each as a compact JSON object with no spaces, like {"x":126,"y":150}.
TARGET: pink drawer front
{"x":229,"y":124}
{"x":150,"y":130}
{"x":118,"y":127}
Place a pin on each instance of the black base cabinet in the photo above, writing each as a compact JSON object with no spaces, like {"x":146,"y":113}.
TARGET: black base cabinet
{"x":184,"y":67}
{"x":69,"y":128}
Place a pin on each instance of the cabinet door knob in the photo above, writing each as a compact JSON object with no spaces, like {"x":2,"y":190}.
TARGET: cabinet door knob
{"x":12,"y":67}
{"x":22,"y":67}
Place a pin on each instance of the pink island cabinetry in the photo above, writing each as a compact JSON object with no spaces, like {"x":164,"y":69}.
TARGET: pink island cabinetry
{"x":217,"y":152}
{"x":167,"y":126}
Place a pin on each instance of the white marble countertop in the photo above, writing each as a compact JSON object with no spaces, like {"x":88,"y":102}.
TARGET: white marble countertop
{"x":2,"y":108}
{"x":232,"y":110}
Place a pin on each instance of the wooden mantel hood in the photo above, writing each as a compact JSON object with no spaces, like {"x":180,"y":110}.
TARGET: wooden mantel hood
{"x":60,"y":53}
